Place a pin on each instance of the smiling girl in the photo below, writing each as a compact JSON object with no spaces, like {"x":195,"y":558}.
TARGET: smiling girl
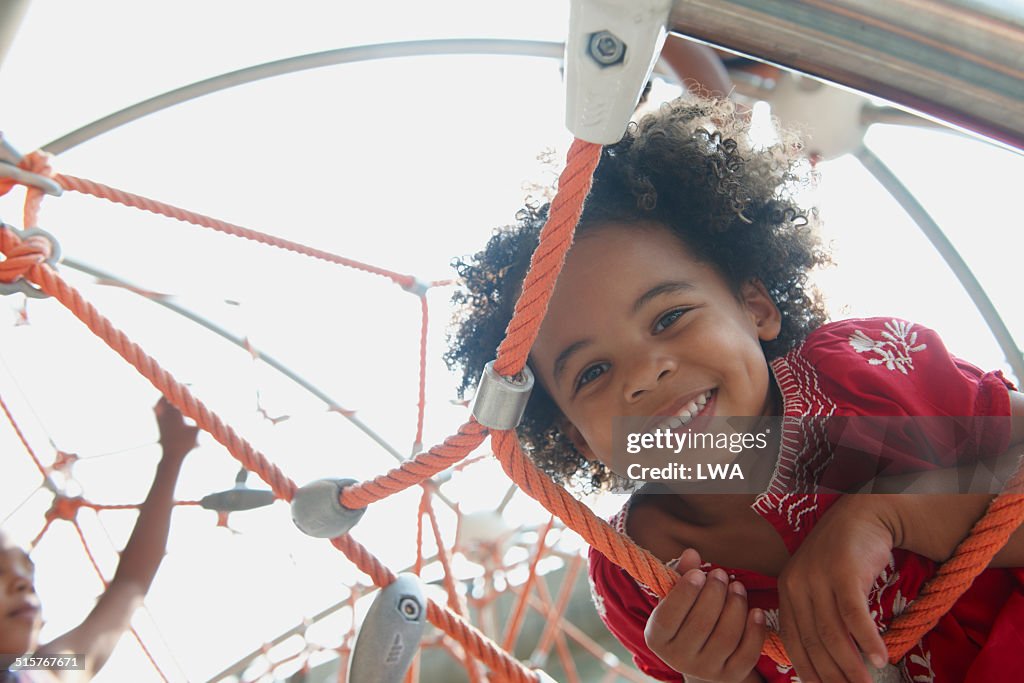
{"x":685,"y":297}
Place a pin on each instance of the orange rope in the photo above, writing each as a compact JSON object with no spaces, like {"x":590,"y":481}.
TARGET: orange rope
{"x":546,"y":263}
{"x":117,"y":196}
{"x":21,"y":436}
{"x":554,"y":613}
{"x":178,"y":394}
{"x":986,"y":538}
{"x":519,"y":612}
{"x":416,"y":470}
{"x":421,"y":404}
{"x":455,"y":601}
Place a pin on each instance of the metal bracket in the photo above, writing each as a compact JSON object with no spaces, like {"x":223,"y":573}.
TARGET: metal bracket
{"x":500,"y":401}
{"x":611,"y":51}
{"x":9,"y":160}
{"x":390,"y":634}
{"x":241,"y":497}
{"x":318,"y":512}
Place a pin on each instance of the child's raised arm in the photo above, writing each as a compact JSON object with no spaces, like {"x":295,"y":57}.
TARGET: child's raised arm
{"x":96,"y":637}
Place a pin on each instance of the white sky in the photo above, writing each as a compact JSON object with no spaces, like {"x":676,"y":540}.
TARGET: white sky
{"x":399,"y":163}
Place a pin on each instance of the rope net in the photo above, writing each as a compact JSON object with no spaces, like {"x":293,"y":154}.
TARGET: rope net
{"x":26,"y":259}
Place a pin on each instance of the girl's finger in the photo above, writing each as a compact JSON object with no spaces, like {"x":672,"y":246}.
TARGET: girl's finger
{"x":668,"y":615}
{"x":704,"y":615}
{"x":732,"y":622}
{"x":853,"y":609}
{"x":821,"y":634}
{"x":746,"y":654}
{"x":789,"y":631}
{"x":832,"y":632}
{"x":689,"y":559}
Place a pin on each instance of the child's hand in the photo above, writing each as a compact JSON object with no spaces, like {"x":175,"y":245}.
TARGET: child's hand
{"x":823,"y":608}
{"x":176,"y":437}
{"x":703,"y":629}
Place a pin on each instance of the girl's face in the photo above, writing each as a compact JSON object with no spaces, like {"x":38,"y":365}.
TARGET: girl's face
{"x":638,"y":328}
{"x":20,"y":618}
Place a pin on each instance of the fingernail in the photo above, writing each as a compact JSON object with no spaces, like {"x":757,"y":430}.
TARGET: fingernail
{"x":878,"y":661}
{"x":690,"y":553}
{"x":720,"y":575}
{"x":758,"y":616}
{"x":695,"y":576}
{"x":737,"y":588}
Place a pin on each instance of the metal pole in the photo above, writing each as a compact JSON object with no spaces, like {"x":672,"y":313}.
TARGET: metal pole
{"x":884,"y":175}
{"x":957,"y":61}
{"x":361,"y":53}
{"x":11,"y":14}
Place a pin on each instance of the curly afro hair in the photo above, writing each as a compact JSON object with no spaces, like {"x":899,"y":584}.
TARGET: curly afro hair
{"x":690,"y":167}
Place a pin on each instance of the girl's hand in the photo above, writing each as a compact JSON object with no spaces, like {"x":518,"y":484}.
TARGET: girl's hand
{"x":823,"y":607}
{"x":703,"y":629}
{"x":176,"y":437}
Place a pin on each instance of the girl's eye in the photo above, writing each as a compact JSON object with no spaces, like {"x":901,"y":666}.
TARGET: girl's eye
{"x":666,"y":321}
{"x":590,"y":374}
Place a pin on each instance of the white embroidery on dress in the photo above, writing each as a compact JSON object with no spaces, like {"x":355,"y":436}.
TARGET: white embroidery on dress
{"x":894,"y":349}
{"x":928,"y":676}
{"x":771,"y":619}
{"x":598,"y":600}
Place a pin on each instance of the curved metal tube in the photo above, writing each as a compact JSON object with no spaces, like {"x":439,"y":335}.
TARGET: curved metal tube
{"x":884,"y":175}
{"x":957,"y":61}
{"x":361,"y":53}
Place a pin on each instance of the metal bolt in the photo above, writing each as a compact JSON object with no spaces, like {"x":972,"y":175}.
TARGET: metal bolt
{"x":409,"y":608}
{"x":606,"y":48}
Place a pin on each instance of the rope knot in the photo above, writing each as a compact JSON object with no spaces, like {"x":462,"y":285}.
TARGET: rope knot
{"x":65,"y":508}
{"x":23,"y":251}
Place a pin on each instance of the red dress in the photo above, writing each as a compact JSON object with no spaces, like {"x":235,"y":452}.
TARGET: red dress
{"x":869,"y":367}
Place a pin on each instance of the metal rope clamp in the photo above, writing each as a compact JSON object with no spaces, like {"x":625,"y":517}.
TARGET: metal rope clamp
{"x":390,"y":634}
{"x":21,"y":285}
{"x":501,"y":401}
{"x":318,"y":512}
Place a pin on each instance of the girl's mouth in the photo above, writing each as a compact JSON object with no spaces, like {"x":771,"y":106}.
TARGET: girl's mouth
{"x":696,"y":407}
{"x":25,"y":612}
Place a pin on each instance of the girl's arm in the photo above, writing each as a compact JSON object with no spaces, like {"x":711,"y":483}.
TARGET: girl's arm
{"x":96,"y":637}
{"x":822,"y":589}
{"x":933,"y":525}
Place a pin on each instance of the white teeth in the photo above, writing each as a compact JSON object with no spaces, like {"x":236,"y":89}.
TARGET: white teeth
{"x":688,"y":412}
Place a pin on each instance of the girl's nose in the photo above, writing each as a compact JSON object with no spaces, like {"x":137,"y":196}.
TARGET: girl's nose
{"x":647,"y":373}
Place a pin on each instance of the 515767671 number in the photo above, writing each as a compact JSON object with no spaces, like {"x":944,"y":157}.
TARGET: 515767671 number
{"x":49,"y":662}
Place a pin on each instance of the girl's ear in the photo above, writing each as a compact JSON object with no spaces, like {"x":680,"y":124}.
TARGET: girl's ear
{"x":570,"y":430}
{"x":762,"y":309}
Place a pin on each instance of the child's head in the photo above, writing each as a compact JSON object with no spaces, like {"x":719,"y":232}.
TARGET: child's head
{"x":685,"y":211}
{"x":20,"y":618}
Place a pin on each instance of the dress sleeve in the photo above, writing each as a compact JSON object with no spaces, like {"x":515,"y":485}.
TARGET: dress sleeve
{"x":624,"y":607}
{"x":903,"y":402}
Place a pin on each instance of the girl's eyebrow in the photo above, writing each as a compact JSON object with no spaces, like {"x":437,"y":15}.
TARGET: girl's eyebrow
{"x":658,"y":290}
{"x":563,"y":357}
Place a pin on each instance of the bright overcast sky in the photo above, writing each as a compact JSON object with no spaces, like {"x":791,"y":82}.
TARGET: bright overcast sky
{"x":401,"y":163}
